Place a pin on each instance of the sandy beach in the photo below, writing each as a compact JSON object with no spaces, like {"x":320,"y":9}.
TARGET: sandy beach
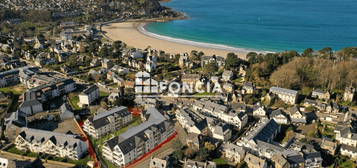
{"x":135,"y":35}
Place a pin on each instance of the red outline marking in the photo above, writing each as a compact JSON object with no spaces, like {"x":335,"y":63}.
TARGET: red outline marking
{"x":152,"y":151}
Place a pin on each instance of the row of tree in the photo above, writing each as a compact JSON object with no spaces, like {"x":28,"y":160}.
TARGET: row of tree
{"x":315,"y":73}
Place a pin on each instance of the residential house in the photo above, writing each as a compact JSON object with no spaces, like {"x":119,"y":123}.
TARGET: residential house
{"x":137,"y":141}
{"x":89,"y":95}
{"x":349,"y":151}
{"x":319,"y":94}
{"x":158,"y":163}
{"x":312,"y":157}
{"x":228,"y":87}
{"x":113,"y":97}
{"x":349,"y":94}
{"x":259,"y":110}
{"x":296,"y":116}
{"x":184,"y":61}
{"x":280,"y":161}
{"x":222,"y":112}
{"x":329,"y":145}
{"x":137,"y":54}
{"x":151,"y":63}
{"x":279,"y":116}
{"x":95,"y":62}
{"x":52,"y":143}
{"x":227,"y":76}
{"x":66,"y":112}
{"x":190,"y":78}
{"x":242,"y":71}
{"x":333,"y":108}
{"x":219,"y":130}
{"x":107,"y":122}
{"x":215,"y":79}
{"x":197,"y":164}
{"x":248,"y":88}
{"x":233,"y":152}
{"x":310,"y":103}
{"x":217,"y":60}
{"x":107,"y":63}
{"x":255,"y":161}
{"x":286,"y":95}
{"x":186,"y":122}
{"x":296,"y":160}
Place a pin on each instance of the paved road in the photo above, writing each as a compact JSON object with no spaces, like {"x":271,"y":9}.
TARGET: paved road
{"x":47,"y":165}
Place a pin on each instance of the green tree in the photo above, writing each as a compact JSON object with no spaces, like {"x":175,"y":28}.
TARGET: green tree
{"x":210,"y":68}
{"x":308,"y":52}
{"x":104,"y":52}
{"x":202,"y":154}
{"x":232,"y":61}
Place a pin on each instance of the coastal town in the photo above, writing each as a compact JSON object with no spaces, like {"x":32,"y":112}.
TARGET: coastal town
{"x":73,"y":96}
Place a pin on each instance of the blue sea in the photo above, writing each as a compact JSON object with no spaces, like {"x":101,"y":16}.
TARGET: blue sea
{"x":272,"y":25}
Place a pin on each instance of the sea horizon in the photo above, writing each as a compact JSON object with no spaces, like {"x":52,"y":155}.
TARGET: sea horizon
{"x":271,"y":26}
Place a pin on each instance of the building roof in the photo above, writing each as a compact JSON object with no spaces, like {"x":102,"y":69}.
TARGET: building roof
{"x":36,"y":135}
{"x":283,"y":91}
{"x":276,"y":113}
{"x":262,"y":130}
{"x":136,"y":135}
{"x":101,"y":119}
{"x":90,"y":89}
{"x":227,"y":74}
{"x":197,"y":164}
{"x":348,"y":148}
{"x":251,"y":159}
{"x":295,"y":159}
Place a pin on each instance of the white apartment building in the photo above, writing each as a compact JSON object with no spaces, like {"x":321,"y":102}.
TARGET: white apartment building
{"x":349,"y":151}
{"x":186,"y":122}
{"x":107,"y":122}
{"x":89,"y":95}
{"x":137,"y":141}
{"x":287,"y":95}
{"x":52,"y":143}
{"x":345,"y":136}
{"x":222,"y":112}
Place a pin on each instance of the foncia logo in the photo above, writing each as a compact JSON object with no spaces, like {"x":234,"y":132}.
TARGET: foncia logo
{"x":145,"y":86}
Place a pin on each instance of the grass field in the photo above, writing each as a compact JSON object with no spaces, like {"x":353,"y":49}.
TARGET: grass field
{"x":16,"y":90}
{"x":74,"y":100}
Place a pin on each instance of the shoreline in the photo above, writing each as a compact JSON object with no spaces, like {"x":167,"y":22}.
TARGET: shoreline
{"x":134,"y":34}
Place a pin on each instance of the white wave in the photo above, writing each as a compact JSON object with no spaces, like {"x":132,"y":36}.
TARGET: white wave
{"x":141,"y":28}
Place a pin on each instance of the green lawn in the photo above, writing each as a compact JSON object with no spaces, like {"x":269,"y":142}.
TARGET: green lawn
{"x":137,"y":121}
{"x":83,"y":161}
{"x":16,"y":90}
{"x":14,"y":150}
{"x":220,"y":161}
{"x":109,"y":164}
{"x":345,"y":162}
{"x":74,"y":100}
{"x":104,"y":94}
{"x":205,"y":94}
